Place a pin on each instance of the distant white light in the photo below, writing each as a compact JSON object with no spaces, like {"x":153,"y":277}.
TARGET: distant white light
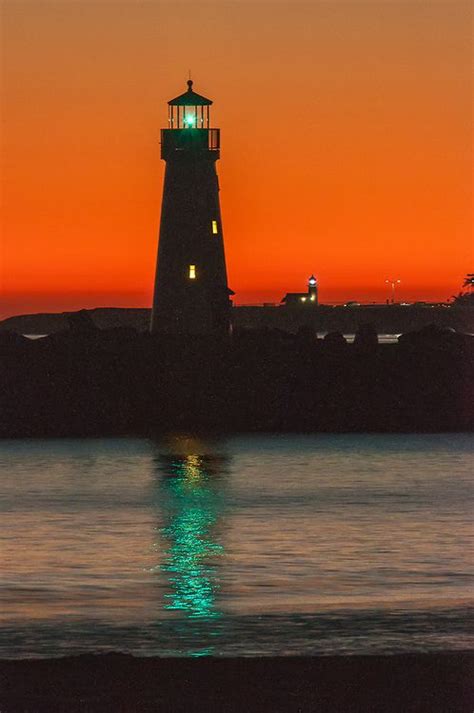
{"x":303,"y":299}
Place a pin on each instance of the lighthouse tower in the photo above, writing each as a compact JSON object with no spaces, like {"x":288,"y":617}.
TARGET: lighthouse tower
{"x":191,"y":292}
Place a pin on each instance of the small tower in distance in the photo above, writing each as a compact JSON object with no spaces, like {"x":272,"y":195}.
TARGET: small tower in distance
{"x":313,"y":290}
{"x":191,"y":292}
{"x":300,"y":299}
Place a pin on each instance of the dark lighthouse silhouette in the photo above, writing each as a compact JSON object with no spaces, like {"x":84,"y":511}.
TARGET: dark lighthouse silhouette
{"x":191,"y":292}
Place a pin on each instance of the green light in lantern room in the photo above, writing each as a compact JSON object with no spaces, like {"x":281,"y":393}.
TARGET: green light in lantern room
{"x":190,"y":120}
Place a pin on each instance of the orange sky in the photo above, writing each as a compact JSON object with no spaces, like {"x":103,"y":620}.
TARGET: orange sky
{"x":346,"y":134}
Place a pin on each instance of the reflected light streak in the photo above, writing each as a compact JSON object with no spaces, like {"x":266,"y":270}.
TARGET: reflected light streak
{"x":192,"y":506}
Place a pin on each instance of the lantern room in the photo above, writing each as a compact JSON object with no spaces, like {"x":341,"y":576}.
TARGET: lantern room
{"x":189,"y":129}
{"x":189,"y":111}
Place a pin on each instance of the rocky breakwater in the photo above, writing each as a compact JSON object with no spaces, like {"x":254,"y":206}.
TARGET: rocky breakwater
{"x":85,"y":381}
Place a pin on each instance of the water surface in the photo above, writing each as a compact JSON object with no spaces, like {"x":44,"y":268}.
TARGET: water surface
{"x":263,"y":545}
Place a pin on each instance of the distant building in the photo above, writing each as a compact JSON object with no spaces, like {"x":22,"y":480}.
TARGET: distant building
{"x":191,"y":292}
{"x":303,"y":299}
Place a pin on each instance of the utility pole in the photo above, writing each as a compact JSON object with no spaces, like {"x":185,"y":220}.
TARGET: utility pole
{"x":393,"y":284}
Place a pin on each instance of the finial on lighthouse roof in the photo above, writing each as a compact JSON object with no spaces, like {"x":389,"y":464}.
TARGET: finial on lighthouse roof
{"x":190,"y":98}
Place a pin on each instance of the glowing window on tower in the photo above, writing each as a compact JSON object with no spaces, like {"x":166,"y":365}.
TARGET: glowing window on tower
{"x":214,"y":227}
{"x":192,"y":272}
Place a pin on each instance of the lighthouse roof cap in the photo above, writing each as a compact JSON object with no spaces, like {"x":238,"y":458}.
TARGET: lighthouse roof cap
{"x":190,"y":98}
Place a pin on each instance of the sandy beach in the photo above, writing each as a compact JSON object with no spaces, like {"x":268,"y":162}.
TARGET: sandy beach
{"x":120,"y":683}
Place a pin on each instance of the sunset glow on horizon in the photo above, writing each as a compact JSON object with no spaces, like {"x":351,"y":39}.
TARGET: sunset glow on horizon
{"x":346,"y":134}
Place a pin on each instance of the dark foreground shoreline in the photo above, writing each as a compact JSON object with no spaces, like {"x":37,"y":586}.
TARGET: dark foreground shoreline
{"x":402,"y":683}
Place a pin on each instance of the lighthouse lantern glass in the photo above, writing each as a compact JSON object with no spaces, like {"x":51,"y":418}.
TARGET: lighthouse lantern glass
{"x":188,"y":117}
{"x":190,"y":121}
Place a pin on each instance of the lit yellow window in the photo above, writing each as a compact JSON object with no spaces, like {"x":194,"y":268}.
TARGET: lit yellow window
{"x":192,"y":272}
{"x":214,"y":227}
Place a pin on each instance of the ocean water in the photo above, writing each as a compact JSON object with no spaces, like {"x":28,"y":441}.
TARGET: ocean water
{"x":250,"y":545}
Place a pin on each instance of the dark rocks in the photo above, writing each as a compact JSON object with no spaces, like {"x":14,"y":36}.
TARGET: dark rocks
{"x":436,"y":338}
{"x":86,"y":381}
{"x":335,"y":339}
{"x":11,"y":340}
{"x":366,"y":339}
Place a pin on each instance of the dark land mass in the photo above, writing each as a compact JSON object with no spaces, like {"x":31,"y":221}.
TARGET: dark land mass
{"x":102,"y":317}
{"x":392,"y":319}
{"x":409,"y":683}
{"x":90,"y":382}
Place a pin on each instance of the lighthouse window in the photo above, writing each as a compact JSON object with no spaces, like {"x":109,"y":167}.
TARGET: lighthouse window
{"x":214,"y":227}
{"x":192,"y":272}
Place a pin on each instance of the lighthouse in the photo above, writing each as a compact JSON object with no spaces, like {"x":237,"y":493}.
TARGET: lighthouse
{"x":191,"y":292}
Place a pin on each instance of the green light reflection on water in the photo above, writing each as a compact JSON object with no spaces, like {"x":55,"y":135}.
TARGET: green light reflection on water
{"x":191,"y":506}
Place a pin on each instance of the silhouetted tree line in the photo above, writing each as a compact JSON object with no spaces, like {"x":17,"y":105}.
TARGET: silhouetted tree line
{"x":466,"y":298}
{"x":91,"y":382}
